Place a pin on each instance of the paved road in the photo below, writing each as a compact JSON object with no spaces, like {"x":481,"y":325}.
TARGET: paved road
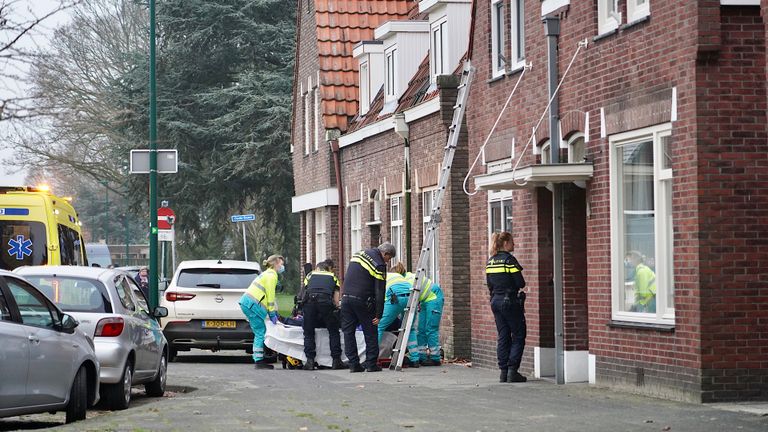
{"x":224,"y":393}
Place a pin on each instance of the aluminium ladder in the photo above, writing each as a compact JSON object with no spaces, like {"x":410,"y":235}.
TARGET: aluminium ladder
{"x":411,"y":309}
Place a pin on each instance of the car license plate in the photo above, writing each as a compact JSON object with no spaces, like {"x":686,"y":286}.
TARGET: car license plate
{"x":219,"y":324}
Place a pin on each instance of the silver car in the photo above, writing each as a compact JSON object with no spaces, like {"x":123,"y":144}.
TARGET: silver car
{"x":110,"y":307}
{"x":46,"y":363}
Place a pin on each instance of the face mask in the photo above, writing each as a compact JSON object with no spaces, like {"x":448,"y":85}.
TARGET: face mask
{"x":281,"y":270}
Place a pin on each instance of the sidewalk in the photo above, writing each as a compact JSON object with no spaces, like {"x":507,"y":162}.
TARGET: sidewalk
{"x":235,"y":397}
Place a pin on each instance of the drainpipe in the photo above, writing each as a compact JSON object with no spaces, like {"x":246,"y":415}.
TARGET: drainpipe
{"x":402,"y":130}
{"x":552,"y":31}
{"x":334,"y":142}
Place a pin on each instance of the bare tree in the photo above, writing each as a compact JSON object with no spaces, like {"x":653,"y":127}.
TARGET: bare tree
{"x":21,"y":21}
{"x":83,"y":94}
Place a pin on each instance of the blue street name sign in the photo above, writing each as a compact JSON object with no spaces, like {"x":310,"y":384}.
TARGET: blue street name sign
{"x":243,"y":218}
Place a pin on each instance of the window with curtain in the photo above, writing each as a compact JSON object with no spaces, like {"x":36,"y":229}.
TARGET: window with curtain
{"x":642,"y":238}
{"x":355,"y":227}
{"x":517,"y":34}
{"x":320,"y":254}
{"x":498,"y":58}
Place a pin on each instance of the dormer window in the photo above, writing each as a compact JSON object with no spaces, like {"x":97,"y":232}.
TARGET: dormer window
{"x":365,"y":88}
{"x":439,"y":48}
{"x":391,"y":79}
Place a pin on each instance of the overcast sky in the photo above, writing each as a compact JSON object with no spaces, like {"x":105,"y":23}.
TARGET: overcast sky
{"x":24,"y":9}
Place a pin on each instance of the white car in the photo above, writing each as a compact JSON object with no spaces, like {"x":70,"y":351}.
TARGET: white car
{"x":203,"y":310}
{"x":46,"y":362}
{"x":112,"y":310}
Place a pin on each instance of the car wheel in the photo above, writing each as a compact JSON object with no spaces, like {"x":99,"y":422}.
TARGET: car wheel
{"x":172,"y":353}
{"x":119,"y":394}
{"x":78,"y":397}
{"x":156,"y":388}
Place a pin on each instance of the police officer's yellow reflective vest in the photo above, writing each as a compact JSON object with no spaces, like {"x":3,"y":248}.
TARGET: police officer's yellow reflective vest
{"x":262,"y":289}
{"x":426,"y":294}
{"x":645,"y":284}
{"x":368,"y":263}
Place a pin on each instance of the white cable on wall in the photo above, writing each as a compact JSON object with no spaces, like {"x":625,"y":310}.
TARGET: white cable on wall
{"x":482,"y":148}
{"x":581,"y":44}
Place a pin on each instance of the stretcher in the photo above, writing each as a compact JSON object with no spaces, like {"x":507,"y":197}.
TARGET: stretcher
{"x":289,"y":340}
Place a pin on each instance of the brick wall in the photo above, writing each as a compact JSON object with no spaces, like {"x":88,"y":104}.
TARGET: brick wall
{"x":696,"y":55}
{"x":314,"y":171}
{"x":733,"y":199}
{"x":370,"y":161}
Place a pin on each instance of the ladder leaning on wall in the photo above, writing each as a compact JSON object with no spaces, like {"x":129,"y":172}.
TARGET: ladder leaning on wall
{"x":435,"y":218}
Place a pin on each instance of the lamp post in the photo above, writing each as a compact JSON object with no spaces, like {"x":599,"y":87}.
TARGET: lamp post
{"x":152,"y":162}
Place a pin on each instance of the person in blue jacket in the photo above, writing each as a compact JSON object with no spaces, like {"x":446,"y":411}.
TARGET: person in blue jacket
{"x":395,"y":301}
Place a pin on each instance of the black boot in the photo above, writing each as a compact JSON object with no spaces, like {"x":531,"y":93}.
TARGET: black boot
{"x":373,"y":368}
{"x":353,"y":368}
{"x":514,"y":376}
{"x":338,"y":364}
{"x":261,"y":364}
{"x":310,"y":364}
{"x":503,"y":375}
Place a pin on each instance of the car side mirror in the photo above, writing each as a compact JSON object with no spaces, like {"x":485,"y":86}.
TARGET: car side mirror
{"x":68,"y":323}
{"x":160,"y":312}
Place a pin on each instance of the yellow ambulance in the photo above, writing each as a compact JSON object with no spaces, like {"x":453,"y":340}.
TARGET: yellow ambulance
{"x":38,"y":228}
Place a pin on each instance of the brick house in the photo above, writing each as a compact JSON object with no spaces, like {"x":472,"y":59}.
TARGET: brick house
{"x":661,"y":125}
{"x":325,"y":98}
{"x":407,"y":72}
{"x":403,"y":81}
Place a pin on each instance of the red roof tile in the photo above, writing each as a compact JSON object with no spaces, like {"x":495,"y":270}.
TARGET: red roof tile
{"x":341,"y":24}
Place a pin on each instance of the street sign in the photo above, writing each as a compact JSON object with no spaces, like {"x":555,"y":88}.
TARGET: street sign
{"x":167,"y":161}
{"x":165,"y":235}
{"x":165,"y":218}
{"x":243,"y":218}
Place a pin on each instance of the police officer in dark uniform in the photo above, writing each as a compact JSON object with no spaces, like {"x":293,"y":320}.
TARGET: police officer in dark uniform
{"x":320,"y":299}
{"x":363,"y":303}
{"x":505,"y":280}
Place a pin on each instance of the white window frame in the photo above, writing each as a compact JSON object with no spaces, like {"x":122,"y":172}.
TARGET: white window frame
{"x":638,"y":9}
{"x":396,"y":227}
{"x":365,"y":88}
{"x":501,"y":197}
{"x":663,"y":227}
{"x":572,"y":141}
{"x":308,"y":237}
{"x":433,"y":271}
{"x":546,"y":157}
{"x":438,"y":48}
{"x":608,"y":16}
{"x":517,"y":33}
{"x":498,"y":63}
{"x":316,"y":95}
{"x":320,"y":253}
{"x":307,"y":130}
{"x":390,"y":74}
{"x":355,"y":227}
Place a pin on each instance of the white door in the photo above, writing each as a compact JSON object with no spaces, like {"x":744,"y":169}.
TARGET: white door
{"x":51,"y":352}
{"x":14,"y":359}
